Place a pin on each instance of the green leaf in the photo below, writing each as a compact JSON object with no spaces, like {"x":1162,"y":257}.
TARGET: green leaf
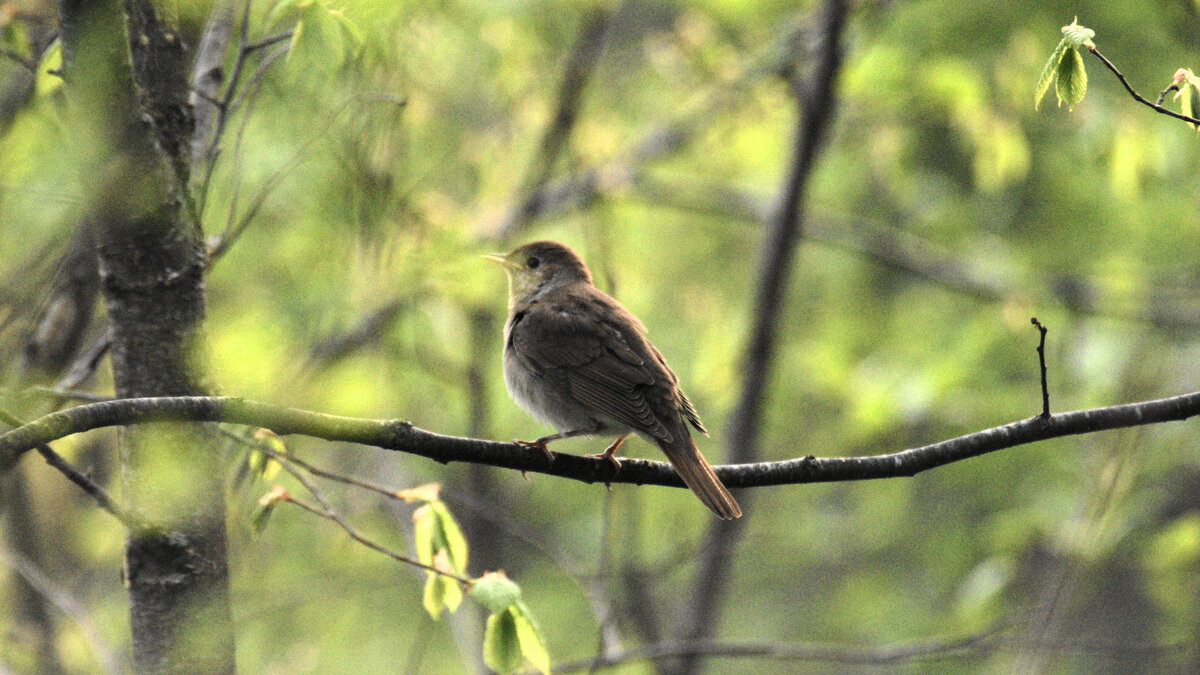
{"x":501,"y":645}
{"x":495,"y":591}
{"x":1078,"y":36}
{"x":261,"y":515}
{"x":1071,"y":80}
{"x":450,"y":537}
{"x":47,"y":81}
{"x":284,"y":8}
{"x":1187,"y":103}
{"x":424,"y":533}
{"x":433,"y":598}
{"x":1049,"y":72}
{"x":530,"y":638}
{"x":261,"y":464}
{"x":1191,"y":78}
{"x":440,"y":593}
{"x":319,"y":41}
{"x":1188,"y":94}
{"x":266,"y":505}
{"x":351,"y":35}
{"x":452,"y":594}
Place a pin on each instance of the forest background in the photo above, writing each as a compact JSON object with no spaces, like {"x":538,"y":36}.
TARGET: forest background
{"x":371,"y":151}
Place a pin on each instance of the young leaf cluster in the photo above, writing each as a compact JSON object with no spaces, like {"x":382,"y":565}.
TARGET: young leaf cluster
{"x":512,"y":635}
{"x":1064,"y":70}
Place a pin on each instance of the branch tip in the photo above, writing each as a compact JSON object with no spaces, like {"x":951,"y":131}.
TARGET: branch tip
{"x":1041,"y":350}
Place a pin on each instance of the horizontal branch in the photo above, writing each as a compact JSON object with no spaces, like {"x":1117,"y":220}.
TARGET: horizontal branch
{"x":402,"y":436}
{"x":789,"y":651}
{"x":938,"y":649}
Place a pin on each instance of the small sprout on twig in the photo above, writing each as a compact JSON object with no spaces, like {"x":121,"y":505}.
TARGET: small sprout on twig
{"x":1187,"y":91}
{"x":1065,"y":68}
{"x":1041,"y":350}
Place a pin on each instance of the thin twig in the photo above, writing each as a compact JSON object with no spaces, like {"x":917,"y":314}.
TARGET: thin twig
{"x":68,"y":605}
{"x":369,"y":543}
{"x":251,"y":47}
{"x":314,"y":470}
{"x":234,"y":230}
{"x":1041,"y":351}
{"x":86,"y":362}
{"x":900,"y":249}
{"x":326,"y":510}
{"x":207,"y":74}
{"x":580,"y":64}
{"x":79,"y":478}
{"x":580,"y":187}
{"x":28,"y":64}
{"x":1138,"y":97}
{"x":1163,"y":94}
{"x":70,"y":394}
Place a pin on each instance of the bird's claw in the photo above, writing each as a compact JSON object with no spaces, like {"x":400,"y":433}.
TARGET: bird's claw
{"x":539,"y":444}
{"x":611,"y":458}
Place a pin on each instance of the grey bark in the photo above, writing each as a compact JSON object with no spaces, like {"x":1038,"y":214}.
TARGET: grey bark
{"x":151,"y":262}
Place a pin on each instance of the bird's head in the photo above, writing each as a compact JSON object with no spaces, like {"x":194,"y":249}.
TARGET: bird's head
{"x":535,"y":267}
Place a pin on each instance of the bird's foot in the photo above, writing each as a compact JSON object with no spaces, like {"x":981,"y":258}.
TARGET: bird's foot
{"x":610,"y":454}
{"x":541,"y":445}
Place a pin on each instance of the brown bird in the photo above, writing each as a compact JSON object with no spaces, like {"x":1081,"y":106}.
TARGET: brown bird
{"x":577,"y":360}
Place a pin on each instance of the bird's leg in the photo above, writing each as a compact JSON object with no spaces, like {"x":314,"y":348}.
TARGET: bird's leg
{"x":542,"y":442}
{"x":541,"y":445}
{"x":610,"y":454}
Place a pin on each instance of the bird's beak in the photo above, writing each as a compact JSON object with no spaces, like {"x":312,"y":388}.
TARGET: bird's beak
{"x":498,"y":258}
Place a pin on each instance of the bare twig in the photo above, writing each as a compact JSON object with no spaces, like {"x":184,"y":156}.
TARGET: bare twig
{"x":80,"y":479}
{"x":1163,"y":94}
{"x":24,"y":62}
{"x":581,"y":62}
{"x":69,"y":606}
{"x":1138,"y":97}
{"x":235,"y":229}
{"x":366,"y":330}
{"x":207,"y":75}
{"x":1041,"y":351}
{"x":69,"y":394}
{"x":267,"y":41}
{"x":904,"y":251}
{"x":314,"y":470}
{"x":369,"y":543}
{"x":582,"y":186}
{"x":85,"y":363}
{"x":326,"y":510}
{"x":226,"y":104}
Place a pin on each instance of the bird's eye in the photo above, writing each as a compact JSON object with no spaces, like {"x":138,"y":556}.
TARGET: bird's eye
{"x":533,"y":263}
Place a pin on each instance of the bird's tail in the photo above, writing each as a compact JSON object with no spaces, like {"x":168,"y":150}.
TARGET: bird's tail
{"x":700,"y":478}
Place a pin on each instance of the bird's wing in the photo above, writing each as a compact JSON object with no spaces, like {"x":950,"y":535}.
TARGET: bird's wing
{"x":592,"y":344}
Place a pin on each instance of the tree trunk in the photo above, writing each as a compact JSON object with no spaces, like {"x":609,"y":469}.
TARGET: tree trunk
{"x":152,"y":262}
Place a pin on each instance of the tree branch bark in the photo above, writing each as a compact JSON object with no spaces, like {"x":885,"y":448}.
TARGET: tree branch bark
{"x":402,"y":436}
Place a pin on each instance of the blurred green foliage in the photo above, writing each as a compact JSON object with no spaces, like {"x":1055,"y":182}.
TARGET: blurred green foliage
{"x":375,"y":160}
